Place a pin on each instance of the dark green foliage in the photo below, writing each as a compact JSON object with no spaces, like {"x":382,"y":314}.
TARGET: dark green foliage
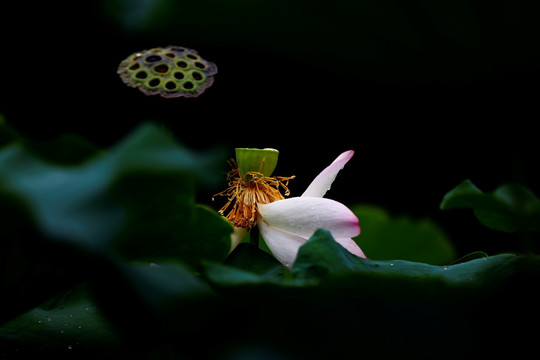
{"x":108,"y":252}
{"x":61,"y":224}
{"x":511,"y":207}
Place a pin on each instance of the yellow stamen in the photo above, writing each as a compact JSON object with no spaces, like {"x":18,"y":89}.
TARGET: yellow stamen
{"x":245,"y":196}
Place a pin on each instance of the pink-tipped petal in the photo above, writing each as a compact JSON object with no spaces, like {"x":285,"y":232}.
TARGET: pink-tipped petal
{"x":302,"y":216}
{"x":284,"y":246}
{"x":322,"y":183}
{"x":351,"y":246}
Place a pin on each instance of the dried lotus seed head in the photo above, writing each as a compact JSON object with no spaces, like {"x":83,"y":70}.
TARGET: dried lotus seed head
{"x":170,"y":72}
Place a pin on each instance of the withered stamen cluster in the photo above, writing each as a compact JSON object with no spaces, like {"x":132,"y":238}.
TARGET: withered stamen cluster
{"x":246,"y":194}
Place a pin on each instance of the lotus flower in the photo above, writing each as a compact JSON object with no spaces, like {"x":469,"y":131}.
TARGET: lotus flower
{"x":286,"y":224}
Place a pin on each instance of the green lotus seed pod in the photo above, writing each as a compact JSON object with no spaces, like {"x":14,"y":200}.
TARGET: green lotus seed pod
{"x":170,"y":72}
{"x":263,"y":161}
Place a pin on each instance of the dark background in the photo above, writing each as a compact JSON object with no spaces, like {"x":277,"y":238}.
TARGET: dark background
{"x":427,"y":93}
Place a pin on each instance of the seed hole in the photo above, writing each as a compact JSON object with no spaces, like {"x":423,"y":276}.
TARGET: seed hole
{"x":134,"y":66}
{"x":141,"y":75}
{"x":196,"y":75}
{"x":178,"y":75}
{"x":154,"y":82}
{"x":200,"y":65}
{"x":161,"y":69}
{"x":170,"y":55}
{"x":188,"y":85}
{"x":153,"y":58}
{"x":182,"y":64}
{"x":192,"y":56}
{"x":170,"y":85}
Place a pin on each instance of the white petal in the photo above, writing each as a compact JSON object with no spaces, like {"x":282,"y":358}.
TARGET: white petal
{"x":351,"y":246}
{"x":302,"y":216}
{"x":321,"y":184}
{"x":283,"y":245}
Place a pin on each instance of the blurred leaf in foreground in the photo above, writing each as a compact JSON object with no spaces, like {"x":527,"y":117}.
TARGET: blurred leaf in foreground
{"x":92,"y":204}
{"x":135,"y":202}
